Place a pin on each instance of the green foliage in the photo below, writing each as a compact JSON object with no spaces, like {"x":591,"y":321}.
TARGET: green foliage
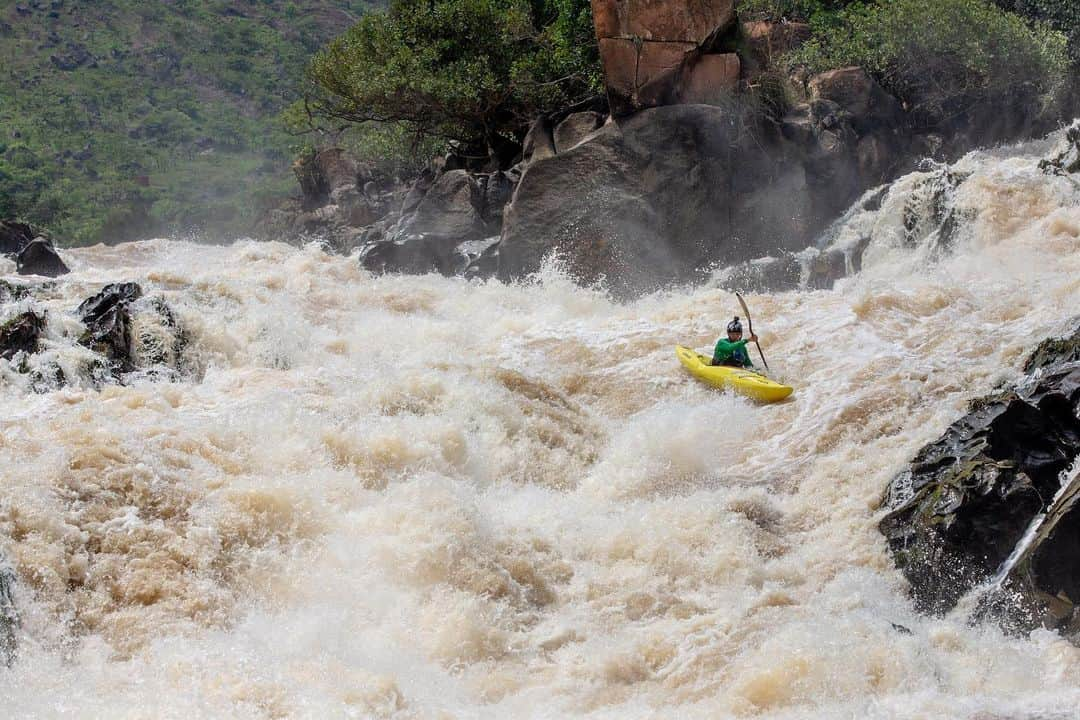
{"x":472,"y":71}
{"x":1063,"y":15}
{"x":171,"y":122}
{"x":941,"y":56}
{"x":788,"y":9}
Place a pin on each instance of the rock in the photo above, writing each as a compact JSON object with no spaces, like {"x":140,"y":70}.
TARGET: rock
{"x":644,"y":44}
{"x":323,"y":172}
{"x":649,"y":199}
{"x":107,"y":317}
{"x":642,"y":74}
{"x":14,"y":236}
{"x":966,"y":501}
{"x":538,"y":143}
{"x":710,"y":80}
{"x":1055,"y":351}
{"x":9,"y":616}
{"x":40,"y":258}
{"x":695,"y":21}
{"x":858,"y":94}
{"x":21,"y":335}
{"x":576,"y":128}
{"x":450,"y":210}
{"x":417,"y":191}
{"x":354,"y":207}
{"x":497,"y":192}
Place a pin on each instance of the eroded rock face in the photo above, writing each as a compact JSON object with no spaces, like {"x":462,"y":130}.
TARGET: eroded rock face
{"x":645,"y":46}
{"x":958,"y":513}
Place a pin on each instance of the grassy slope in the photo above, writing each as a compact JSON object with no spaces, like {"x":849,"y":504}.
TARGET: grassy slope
{"x":170,"y":123}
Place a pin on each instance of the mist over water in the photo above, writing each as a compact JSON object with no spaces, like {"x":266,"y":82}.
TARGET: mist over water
{"x":420,"y":497}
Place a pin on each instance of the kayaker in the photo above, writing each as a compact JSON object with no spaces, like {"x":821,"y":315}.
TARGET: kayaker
{"x":732,"y":351}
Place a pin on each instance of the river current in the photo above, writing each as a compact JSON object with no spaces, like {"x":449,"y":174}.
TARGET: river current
{"x":420,"y":497}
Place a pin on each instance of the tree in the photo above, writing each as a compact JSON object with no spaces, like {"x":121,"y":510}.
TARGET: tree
{"x":471,"y":71}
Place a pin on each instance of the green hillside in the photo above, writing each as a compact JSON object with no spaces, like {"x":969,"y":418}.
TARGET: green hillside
{"x":120,"y":118}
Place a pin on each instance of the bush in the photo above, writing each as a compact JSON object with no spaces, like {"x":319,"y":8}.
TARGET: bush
{"x":941,"y":57}
{"x":1063,"y":15}
{"x":472,"y":71}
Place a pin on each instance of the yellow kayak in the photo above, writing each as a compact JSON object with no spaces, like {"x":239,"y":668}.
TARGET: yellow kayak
{"x":741,"y":381}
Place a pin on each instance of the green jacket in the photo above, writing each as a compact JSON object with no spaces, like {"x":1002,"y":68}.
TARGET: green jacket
{"x":731,"y":353}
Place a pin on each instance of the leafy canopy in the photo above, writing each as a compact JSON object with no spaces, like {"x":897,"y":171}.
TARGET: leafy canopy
{"x":472,"y":71}
{"x":941,"y":56}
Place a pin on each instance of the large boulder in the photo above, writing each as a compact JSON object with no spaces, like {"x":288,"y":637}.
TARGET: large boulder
{"x":645,"y":44}
{"x":649,"y":199}
{"x":968,"y":499}
{"x":40,"y":258}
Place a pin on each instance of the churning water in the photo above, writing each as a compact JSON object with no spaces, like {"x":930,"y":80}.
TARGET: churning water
{"x":419,"y":497}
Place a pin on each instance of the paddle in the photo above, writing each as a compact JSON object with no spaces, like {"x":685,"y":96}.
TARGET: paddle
{"x":750,"y":326}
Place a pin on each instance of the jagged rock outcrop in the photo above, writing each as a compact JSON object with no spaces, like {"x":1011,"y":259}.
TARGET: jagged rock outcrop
{"x":107,"y":317}
{"x":959,"y":512}
{"x":40,"y":258}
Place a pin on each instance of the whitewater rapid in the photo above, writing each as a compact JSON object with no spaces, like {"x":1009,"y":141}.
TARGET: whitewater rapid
{"x":420,"y":497}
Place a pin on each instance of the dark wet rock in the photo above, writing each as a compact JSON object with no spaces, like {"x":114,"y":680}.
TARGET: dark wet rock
{"x":40,"y":258}
{"x":650,"y":199}
{"x":1054,"y":351}
{"x":21,"y":334}
{"x":959,"y":511}
{"x":14,"y":236}
{"x":9,"y":616}
{"x":107,"y":317}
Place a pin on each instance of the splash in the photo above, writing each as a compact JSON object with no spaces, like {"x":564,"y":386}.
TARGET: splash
{"x":421,"y":497}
